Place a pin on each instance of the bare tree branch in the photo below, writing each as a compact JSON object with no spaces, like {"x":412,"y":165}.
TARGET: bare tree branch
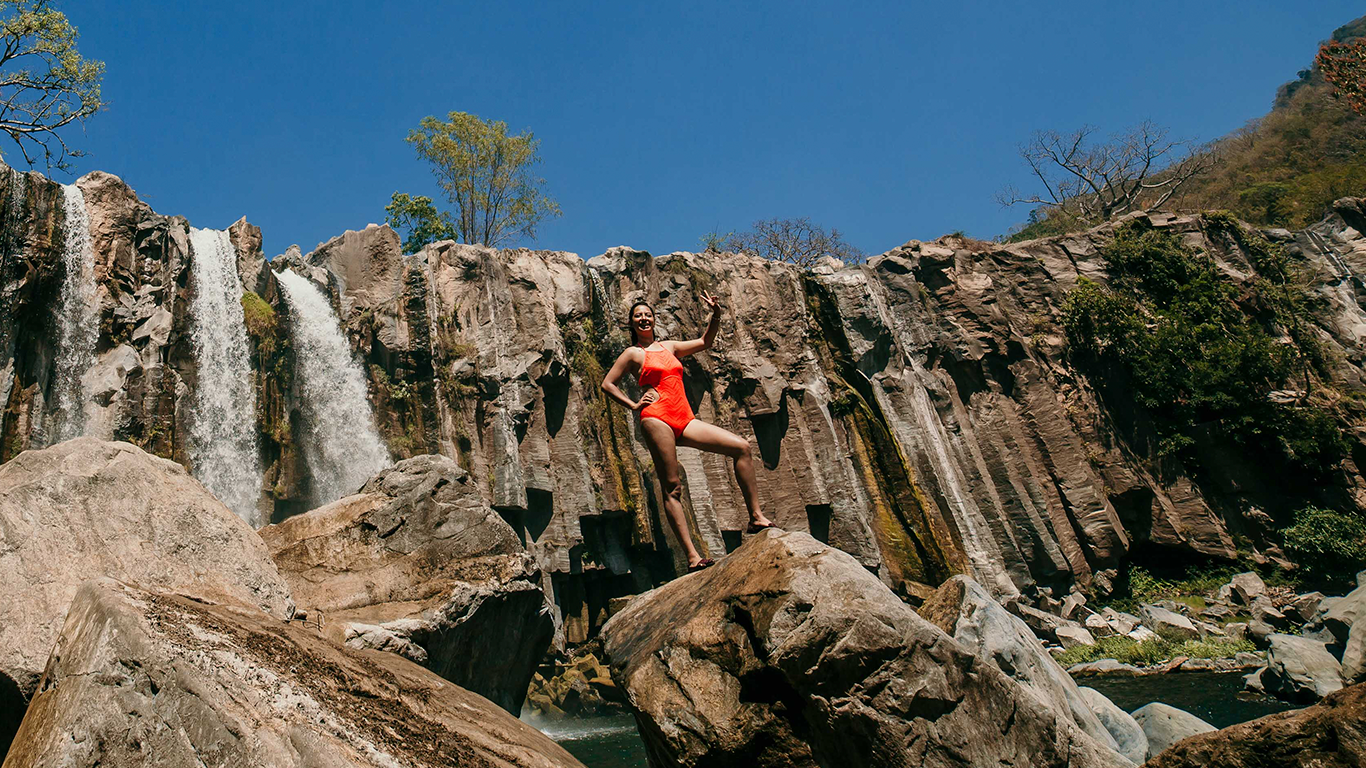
{"x":1091,"y":182}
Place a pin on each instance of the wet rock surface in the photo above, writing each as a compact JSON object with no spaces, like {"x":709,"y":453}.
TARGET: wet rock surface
{"x":789,"y":652}
{"x":417,"y":564}
{"x":139,"y":679}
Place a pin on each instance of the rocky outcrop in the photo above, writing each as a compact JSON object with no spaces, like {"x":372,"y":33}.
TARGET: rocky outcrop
{"x":1330,"y":734}
{"x":86,"y":509}
{"x":1164,"y":725}
{"x":788,"y":652}
{"x":1300,"y":669}
{"x":139,"y":678}
{"x":919,"y":411}
{"x":964,"y":610}
{"x":418,"y":564}
{"x":1129,"y":738}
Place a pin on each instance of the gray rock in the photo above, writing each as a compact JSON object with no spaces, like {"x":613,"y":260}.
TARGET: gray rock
{"x":1247,"y":587}
{"x":140,"y":679}
{"x":1265,"y":611}
{"x":1128,"y":735}
{"x":1304,"y":607}
{"x":1252,"y":681}
{"x":1166,"y":725}
{"x":1259,"y":632}
{"x":1209,"y":630}
{"x":1099,"y":626}
{"x":418,"y":564}
{"x":1103,"y":667}
{"x":1342,"y":612}
{"x":1216,"y":612}
{"x":1245,"y":659}
{"x":1044,"y":625}
{"x":1123,"y":623}
{"x":1168,"y":623}
{"x":1299,"y":669}
{"x":1142,"y":634}
{"x":1071,"y":637}
{"x":1354,"y":655}
{"x":716,"y":664}
{"x":1072,"y":606}
{"x":962,"y":608}
{"x":85,"y":509}
{"x":1236,"y":630}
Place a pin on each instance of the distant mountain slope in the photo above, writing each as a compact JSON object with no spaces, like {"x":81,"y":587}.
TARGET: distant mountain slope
{"x":1286,"y":169}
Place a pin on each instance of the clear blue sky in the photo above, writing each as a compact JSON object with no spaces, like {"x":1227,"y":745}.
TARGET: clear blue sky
{"x":660,"y":121}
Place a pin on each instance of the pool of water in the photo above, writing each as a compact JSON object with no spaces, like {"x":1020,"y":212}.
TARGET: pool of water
{"x":1217,"y":698}
{"x":598,"y":742}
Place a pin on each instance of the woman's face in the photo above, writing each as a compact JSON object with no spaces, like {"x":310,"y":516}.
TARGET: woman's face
{"x":643,"y":319}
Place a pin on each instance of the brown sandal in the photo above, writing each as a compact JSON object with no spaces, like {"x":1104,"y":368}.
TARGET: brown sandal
{"x":705,"y":562}
{"x":756,"y":527}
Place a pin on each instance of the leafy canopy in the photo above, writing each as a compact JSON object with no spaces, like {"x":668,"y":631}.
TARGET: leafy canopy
{"x":485,"y":173}
{"x":45,"y":84}
{"x":418,"y":217}
{"x":1177,"y":330}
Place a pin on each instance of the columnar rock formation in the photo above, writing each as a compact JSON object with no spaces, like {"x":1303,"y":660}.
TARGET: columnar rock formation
{"x":919,"y":411}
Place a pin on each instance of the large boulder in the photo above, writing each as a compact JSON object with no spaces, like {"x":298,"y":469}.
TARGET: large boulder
{"x":1330,"y":734}
{"x":139,"y":678}
{"x":1168,"y":623}
{"x":964,"y":610}
{"x":1165,"y":725}
{"x":1124,"y":729}
{"x":1342,"y":613}
{"x":85,"y":509}
{"x":417,"y":563}
{"x":1300,"y":669}
{"x":1247,"y":587}
{"x":1354,"y":655}
{"x":791,"y":653}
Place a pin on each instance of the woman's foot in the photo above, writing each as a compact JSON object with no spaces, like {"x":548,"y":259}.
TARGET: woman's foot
{"x":705,"y":562}
{"x":760,"y":523}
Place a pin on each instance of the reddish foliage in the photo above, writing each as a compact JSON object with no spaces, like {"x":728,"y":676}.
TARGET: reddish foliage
{"x":1344,"y":67}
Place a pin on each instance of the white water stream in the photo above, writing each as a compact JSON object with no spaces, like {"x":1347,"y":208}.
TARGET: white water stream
{"x":341,"y":444}
{"x":78,"y":326}
{"x":223,"y":442}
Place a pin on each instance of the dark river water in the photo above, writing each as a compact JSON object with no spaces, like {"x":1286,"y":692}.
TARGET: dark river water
{"x":1217,"y":698}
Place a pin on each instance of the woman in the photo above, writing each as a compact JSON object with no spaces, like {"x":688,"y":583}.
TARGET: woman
{"x":667,"y":420}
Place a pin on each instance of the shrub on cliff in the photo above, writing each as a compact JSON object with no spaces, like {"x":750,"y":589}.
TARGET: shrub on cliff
{"x":1329,"y":545}
{"x":1196,"y":354}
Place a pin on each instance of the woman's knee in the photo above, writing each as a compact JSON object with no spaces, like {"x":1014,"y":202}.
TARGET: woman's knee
{"x":737,"y":447}
{"x":672,"y":486}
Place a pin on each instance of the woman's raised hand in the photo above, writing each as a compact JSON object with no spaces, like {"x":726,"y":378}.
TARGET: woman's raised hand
{"x":711,"y":301}
{"x":650,"y":396}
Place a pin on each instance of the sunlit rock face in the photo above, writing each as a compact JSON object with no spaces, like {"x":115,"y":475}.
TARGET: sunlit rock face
{"x":919,"y":411}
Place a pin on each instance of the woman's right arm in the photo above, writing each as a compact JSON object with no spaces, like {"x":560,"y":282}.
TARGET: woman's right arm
{"x":609,"y":382}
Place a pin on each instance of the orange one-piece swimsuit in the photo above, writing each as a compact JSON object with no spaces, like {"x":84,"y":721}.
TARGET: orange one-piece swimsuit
{"x":664,"y":372}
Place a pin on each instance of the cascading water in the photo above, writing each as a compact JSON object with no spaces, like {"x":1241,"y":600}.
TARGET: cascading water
{"x":223,"y":446}
{"x":341,"y":445}
{"x":77,"y":324}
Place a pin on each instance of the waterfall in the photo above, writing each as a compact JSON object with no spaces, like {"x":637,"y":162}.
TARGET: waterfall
{"x":223,"y":447}
{"x":77,"y":321}
{"x":341,"y":444}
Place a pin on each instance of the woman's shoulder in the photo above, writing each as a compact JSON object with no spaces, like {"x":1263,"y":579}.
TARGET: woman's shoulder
{"x":632,"y":353}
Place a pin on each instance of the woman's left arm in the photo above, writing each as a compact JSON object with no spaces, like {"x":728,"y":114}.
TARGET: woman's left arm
{"x":685,"y":348}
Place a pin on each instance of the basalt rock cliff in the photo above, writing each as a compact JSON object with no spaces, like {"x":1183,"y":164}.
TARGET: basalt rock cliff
{"x":919,"y":412}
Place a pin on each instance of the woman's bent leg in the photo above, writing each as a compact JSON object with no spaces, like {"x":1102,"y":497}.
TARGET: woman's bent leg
{"x":659,"y":438}
{"x":709,"y":437}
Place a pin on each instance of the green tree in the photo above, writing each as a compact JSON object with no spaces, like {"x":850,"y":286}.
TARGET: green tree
{"x":419,"y":219}
{"x":486,"y":174}
{"x":45,"y":84}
